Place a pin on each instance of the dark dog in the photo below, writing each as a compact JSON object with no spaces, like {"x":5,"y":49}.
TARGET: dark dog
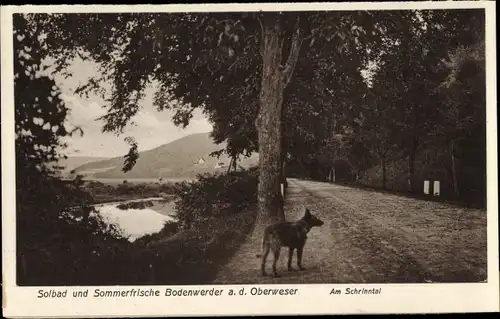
{"x":287,"y":234}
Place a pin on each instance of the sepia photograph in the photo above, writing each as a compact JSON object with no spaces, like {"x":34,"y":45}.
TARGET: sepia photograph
{"x":249,"y":147}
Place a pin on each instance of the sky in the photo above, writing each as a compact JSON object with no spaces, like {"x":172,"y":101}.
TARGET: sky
{"x":153,"y":128}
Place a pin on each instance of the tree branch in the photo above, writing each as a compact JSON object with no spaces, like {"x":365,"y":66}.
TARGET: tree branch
{"x":293,"y":56}
{"x":234,"y":63}
{"x":308,"y":37}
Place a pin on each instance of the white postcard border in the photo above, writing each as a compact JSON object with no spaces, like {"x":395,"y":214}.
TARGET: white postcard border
{"x":310,"y":298}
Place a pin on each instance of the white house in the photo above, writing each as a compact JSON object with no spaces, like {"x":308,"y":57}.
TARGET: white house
{"x":201,"y":161}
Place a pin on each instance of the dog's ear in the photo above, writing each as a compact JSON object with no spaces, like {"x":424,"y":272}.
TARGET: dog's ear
{"x":307,"y":213}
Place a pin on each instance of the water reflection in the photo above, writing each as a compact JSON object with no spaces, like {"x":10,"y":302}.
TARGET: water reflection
{"x":135,"y":222}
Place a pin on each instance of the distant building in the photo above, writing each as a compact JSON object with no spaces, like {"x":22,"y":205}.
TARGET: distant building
{"x":201,"y":161}
{"x":220,"y":165}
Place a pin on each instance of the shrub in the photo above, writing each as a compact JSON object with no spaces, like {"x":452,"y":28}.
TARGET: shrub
{"x":126,"y":189}
{"x":167,"y":188}
{"x":58,"y":245}
{"x":214,"y":197}
{"x":135,"y":205}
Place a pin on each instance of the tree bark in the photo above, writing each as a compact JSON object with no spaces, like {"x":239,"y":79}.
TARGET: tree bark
{"x":231,"y":165}
{"x":411,"y":169}
{"x":275,"y":77}
{"x":384,"y":173}
{"x":409,"y":178}
{"x":411,"y":163}
{"x":454,"y":169}
{"x":283,"y":174}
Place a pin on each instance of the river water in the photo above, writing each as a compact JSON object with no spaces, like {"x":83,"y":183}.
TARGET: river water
{"x":137,"y":222}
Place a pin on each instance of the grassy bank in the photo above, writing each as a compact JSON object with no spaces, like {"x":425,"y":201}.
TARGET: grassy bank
{"x":191,"y":257}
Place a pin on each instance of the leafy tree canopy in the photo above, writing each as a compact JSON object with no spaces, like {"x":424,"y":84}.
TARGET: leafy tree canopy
{"x":212,"y":61}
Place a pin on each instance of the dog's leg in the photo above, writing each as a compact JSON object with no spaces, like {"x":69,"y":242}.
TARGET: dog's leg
{"x":276,"y":251}
{"x":263,"y":262}
{"x":299,"y":257}
{"x":290,"y":257}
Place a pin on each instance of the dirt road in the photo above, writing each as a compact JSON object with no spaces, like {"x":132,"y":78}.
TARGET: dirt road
{"x":372,"y":237}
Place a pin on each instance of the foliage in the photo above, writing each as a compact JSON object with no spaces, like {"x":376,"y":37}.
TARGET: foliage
{"x":397,"y":120}
{"x":214,"y":197}
{"x":463,"y":117}
{"x":209,"y":49}
{"x":135,"y":205}
{"x":132,"y":155}
{"x":55,"y":244}
{"x":464,"y":91}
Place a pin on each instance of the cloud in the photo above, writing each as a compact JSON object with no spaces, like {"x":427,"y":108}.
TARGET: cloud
{"x":151,"y":129}
{"x":82,"y":112}
{"x":146,"y":119}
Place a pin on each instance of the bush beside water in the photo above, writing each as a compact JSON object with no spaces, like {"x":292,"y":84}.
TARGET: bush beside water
{"x":135,"y":205}
{"x":215,"y":214}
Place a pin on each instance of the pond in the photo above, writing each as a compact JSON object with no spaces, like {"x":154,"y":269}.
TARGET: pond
{"x":139,"y":217}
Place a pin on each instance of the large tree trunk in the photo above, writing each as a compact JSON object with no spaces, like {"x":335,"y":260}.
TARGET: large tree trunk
{"x":275,"y":77}
{"x":269,"y":125}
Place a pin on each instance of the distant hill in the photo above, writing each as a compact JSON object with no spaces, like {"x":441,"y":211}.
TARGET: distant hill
{"x":73,"y":162}
{"x":182,"y":158}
